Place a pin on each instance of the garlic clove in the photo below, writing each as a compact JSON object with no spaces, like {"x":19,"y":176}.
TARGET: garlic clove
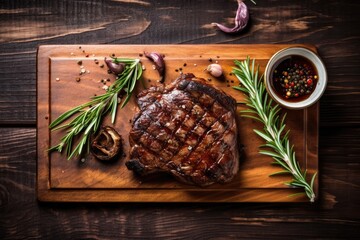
{"x":116,"y":68}
{"x":215,"y":70}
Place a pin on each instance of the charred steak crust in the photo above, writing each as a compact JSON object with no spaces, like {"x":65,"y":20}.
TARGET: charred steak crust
{"x":188,"y":129}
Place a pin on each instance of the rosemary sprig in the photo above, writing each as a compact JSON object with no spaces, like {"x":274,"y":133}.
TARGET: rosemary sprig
{"x":262,"y":109}
{"x":90,"y":114}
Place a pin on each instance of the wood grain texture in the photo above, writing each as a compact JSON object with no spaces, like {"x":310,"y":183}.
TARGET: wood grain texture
{"x":331,"y":25}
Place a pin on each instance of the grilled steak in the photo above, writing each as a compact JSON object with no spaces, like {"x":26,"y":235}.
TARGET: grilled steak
{"x":187,"y":129}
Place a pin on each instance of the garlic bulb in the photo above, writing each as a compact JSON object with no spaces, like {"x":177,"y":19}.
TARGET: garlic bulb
{"x":215,"y":69}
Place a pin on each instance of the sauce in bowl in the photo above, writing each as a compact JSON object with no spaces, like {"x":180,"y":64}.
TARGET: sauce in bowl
{"x":294,"y":78}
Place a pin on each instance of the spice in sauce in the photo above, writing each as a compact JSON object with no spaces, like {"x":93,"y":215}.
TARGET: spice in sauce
{"x":294,"y":78}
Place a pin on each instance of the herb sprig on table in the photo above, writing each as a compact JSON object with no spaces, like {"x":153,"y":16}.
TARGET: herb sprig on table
{"x":262,"y":109}
{"x":90,"y":114}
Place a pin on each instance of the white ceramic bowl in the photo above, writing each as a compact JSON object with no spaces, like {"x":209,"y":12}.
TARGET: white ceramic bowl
{"x":312,"y":57}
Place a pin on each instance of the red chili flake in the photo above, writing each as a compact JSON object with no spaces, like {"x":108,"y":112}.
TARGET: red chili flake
{"x":309,"y":81}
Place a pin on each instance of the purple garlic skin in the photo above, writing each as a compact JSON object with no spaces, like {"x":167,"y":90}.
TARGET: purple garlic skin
{"x":241,"y":19}
{"x":116,"y":68}
{"x":159,"y":63}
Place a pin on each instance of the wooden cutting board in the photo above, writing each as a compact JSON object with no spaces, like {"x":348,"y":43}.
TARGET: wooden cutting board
{"x":89,"y":180}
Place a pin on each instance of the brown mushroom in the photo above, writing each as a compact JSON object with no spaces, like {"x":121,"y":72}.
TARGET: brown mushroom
{"x":107,"y":144}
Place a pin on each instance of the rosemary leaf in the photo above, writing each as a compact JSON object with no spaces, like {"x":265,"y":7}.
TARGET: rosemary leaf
{"x":261,"y":108}
{"x":279,"y":173}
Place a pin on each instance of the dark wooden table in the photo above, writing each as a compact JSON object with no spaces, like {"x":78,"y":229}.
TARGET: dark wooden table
{"x":332,"y":26}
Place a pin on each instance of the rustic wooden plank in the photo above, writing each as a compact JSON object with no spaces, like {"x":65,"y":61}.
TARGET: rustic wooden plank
{"x":18,"y":88}
{"x":22,"y":217}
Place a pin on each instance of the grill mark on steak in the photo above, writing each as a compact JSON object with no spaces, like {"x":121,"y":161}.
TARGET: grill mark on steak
{"x":188,"y":132}
{"x":193,"y":118}
{"x":206,"y":157}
